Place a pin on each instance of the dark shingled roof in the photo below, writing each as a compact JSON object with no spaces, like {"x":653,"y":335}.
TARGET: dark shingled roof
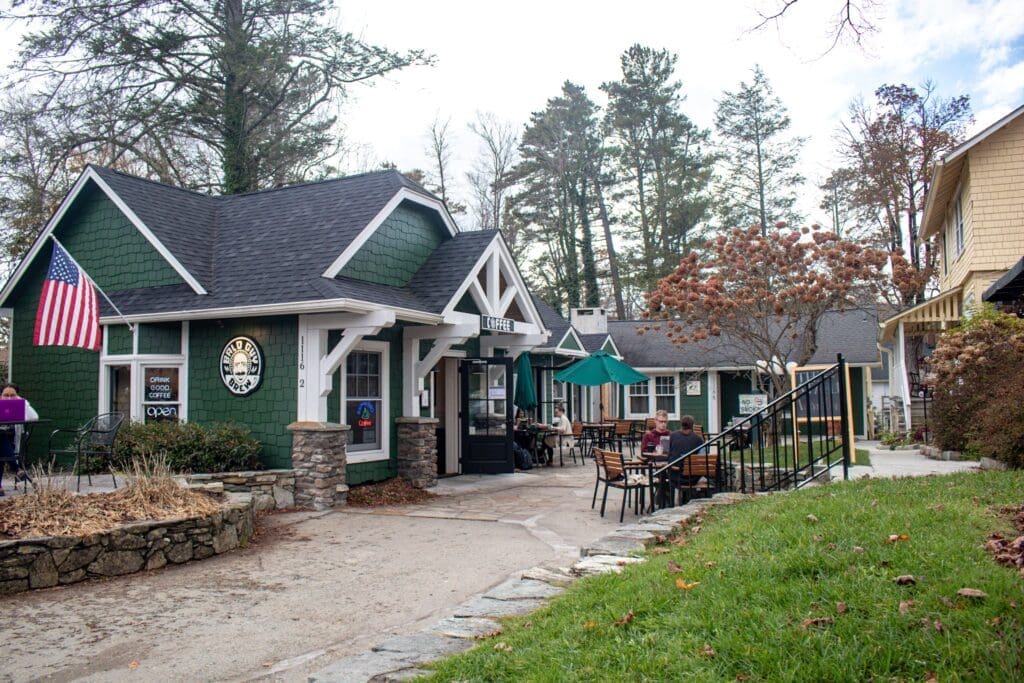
{"x":593,"y":342}
{"x":552,"y":319}
{"x":271,"y":247}
{"x":851,"y":333}
{"x":437,"y":280}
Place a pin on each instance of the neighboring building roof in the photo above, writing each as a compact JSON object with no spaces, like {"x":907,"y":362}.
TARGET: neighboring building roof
{"x":851,"y":333}
{"x":1008,"y":288}
{"x":946,"y":176}
{"x":593,"y":342}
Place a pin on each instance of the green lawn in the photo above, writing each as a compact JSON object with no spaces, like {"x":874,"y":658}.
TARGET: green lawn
{"x":763,"y":571}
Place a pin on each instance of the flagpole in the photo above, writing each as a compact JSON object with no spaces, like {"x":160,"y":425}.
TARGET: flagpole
{"x":82,"y":271}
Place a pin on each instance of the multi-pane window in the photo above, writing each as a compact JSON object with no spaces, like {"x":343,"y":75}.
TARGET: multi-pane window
{"x":958,"y":225}
{"x":638,"y":398}
{"x":665,"y":393}
{"x":363,"y":400}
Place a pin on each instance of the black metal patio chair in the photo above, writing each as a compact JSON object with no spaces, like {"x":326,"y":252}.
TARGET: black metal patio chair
{"x":94,"y":439}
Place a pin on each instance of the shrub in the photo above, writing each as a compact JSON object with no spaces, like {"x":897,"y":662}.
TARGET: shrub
{"x":978,"y":386}
{"x":190,"y":447}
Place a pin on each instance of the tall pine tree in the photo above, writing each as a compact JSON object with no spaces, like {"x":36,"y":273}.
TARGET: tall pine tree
{"x":759,"y":181}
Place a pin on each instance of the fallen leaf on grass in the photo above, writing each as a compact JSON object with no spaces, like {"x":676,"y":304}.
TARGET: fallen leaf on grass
{"x":831,"y":546}
{"x":874,"y":503}
{"x":972,"y":593}
{"x":680,"y":540}
{"x":133,"y":665}
{"x":695,"y":530}
{"x":858,"y":549}
{"x":589,"y":624}
{"x":841,"y":607}
{"x":938,"y":626}
{"x":995,"y":621}
{"x":673,"y":567}
{"x":709,"y":565}
{"x":817,"y":538}
{"x":742,"y":677}
{"x":626,"y":618}
{"x":948,"y":603}
{"x":937,"y":508}
{"x":660,"y":538}
{"x":930,"y":677}
{"x":489,"y":634}
{"x":818,"y":621}
{"x":707,"y":651}
{"x":905,"y":580}
{"x":503,"y":647}
{"x":893,"y":538}
{"x":812,"y":518}
{"x":682,"y":585}
{"x":905,"y":606}
{"x":660,"y":551}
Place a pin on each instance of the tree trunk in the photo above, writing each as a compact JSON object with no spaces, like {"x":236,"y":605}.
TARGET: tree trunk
{"x":238,"y":177}
{"x":613,"y":259}
{"x":592,"y":294}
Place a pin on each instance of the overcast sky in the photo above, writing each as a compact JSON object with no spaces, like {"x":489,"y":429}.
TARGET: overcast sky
{"x":509,"y":58}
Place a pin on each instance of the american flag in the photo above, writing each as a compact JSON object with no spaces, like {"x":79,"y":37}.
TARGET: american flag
{"x":68,"y":312}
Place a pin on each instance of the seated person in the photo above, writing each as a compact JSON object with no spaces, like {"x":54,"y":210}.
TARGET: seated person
{"x":651,"y":443}
{"x":682,"y":442}
{"x":562,"y":438}
{"x":10,"y":438}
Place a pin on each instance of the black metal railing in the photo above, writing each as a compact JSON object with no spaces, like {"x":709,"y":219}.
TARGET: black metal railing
{"x":797,"y":438}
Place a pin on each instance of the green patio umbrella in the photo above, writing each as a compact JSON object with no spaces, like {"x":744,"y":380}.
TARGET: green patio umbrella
{"x":599,"y":368}
{"x":526,"y":393}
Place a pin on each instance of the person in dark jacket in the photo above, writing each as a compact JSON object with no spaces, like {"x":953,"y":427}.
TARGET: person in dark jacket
{"x":682,"y":441}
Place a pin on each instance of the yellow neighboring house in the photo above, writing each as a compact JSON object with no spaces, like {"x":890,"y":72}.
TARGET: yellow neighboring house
{"x":974,"y":210}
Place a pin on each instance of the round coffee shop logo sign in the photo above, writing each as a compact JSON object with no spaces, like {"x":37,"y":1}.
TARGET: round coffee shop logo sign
{"x":241,"y":366}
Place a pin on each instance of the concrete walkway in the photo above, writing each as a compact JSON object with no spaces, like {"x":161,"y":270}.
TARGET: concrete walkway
{"x":316,"y":589}
{"x":887,"y":463}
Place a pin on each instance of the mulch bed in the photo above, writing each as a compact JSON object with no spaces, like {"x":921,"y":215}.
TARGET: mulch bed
{"x":1006,"y":551}
{"x":59,"y":512}
{"x":391,"y":492}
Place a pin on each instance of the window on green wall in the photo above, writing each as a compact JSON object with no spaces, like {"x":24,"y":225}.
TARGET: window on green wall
{"x":665,"y":393}
{"x":639,"y":398}
{"x":364,"y":398}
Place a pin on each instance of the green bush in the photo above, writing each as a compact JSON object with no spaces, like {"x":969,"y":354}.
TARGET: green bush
{"x":190,"y":447}
{"x":978,"y":387}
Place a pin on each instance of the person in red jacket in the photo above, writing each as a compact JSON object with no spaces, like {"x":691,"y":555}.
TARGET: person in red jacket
{"x":652,"y":439}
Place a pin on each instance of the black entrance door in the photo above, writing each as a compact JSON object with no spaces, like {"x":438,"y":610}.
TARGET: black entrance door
{"x":486,"y":415}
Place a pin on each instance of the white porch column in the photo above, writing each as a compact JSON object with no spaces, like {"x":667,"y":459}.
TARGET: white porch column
{"x":317,"y":363}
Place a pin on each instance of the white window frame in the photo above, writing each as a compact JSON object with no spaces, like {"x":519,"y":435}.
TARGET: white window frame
{"x":630,"y":395}
{"x":674,"y":412}
{"x":135,"y":362}
{"x":384,"y":452}
{"x":652,"y":397}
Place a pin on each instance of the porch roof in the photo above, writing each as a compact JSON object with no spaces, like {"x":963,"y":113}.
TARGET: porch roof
{"x":1010,"y":287}
{"x":934,"y":314}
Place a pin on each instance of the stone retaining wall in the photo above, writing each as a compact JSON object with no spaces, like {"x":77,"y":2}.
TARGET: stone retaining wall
{"x":269,"y":488}
{"x":42,"y":562}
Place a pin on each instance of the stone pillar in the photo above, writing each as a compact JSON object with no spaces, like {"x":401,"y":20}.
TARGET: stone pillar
{"x":417,"y":450}
{"x":319,"y":459}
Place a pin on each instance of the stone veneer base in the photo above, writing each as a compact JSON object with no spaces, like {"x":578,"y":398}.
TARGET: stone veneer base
{"x":46,"y":561}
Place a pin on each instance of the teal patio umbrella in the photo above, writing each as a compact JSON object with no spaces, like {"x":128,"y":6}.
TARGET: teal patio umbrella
{"x":600,"y":368}
{"x":525,"y":396}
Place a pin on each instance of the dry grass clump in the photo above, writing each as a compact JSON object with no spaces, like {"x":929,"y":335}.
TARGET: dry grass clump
{"x":149,"y":494}
{"x":391,"y":492}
